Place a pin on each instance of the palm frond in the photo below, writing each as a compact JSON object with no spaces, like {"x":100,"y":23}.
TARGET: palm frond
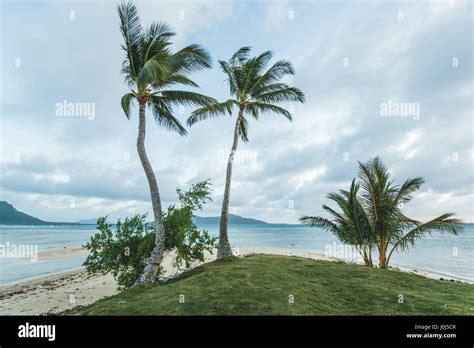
{"x":337,"y":217}
{"x":152,"y":71}
{"x":373,"y":193}
{"x":252,"y":69}
{"x":159,"y":30}
{"x":317,"y":221}
{"x":255,"y":108}
{"x":132,"y":34}
{"x":211,"y":110}
{"x":277,"y":86}
{"x":281,"y":95}
{"x":126,"y":101}
{"x":240,"y":79}
{"x":174,"y":79}
{"x":273,"y":74}
{"x":445,"y":223}
{"x":187,"y":98}
{"x":262,"y":60}
{"x":229,"y":71}
{"x":163,"y":115}
{"x":240,"y":56}
{"x":408,"y":187}
{"x":156,"y":40}
{"x":243,"y":130}
{"x":191,"y":58}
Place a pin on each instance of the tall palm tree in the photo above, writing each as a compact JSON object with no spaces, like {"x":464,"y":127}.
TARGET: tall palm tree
{"x":150,"y":68}
{"x":375,"y":218}
{"x":253,"y":91}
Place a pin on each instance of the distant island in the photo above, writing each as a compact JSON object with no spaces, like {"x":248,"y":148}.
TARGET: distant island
{"x":206,"y":220}
{"x":10,"y":216}
{"x":233,"y":220}
{"x":209,"y":220}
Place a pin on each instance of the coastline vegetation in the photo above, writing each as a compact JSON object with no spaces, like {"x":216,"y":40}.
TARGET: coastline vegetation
{"x":123,"y":249}
{"x":373,"y":220}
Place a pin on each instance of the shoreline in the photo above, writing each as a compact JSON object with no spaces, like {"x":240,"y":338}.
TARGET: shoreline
{"x":394,"y":267}
{"x":431,"y":274}
{"x":74,"y":250}
{"x":27,"y":280}
{"x":57,"y":292}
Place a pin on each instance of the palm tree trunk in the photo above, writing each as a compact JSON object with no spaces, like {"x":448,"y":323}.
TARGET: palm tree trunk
{"x":370,"y":256}
{"x":223,"y":248}
{"x":152,"y":268}
{"x":363,"y":253}
{"x":390,"y":254}
{"x":382,"y":252}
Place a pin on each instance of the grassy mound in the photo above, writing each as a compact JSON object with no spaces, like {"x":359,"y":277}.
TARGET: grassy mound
{"x":266,"y":284}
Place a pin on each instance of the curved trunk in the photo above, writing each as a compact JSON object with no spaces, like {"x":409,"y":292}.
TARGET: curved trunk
{"x":152,"y":268}
{"x":223,"y":248}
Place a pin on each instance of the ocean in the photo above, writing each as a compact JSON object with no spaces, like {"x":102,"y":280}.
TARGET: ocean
{"x":442,"y":254}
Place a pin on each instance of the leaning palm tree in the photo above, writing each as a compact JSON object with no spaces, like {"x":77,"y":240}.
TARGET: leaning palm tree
{"x":150,"y":68}
{"x":253,"y":91}
{"x":375,"y":218}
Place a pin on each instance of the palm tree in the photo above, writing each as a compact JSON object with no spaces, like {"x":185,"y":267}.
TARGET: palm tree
{"x":253,"y":91}
{"x":150,"y":68}
{"x":351,"y":225}
{"x":375,"y":218}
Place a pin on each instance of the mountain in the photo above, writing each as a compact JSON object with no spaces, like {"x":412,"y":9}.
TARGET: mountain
{"x":233,"y":220}
{"x":10,"y":216}
{"x":204,"y":220}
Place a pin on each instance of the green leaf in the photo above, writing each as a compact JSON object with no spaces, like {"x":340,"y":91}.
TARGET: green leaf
{"x":126,"y":101}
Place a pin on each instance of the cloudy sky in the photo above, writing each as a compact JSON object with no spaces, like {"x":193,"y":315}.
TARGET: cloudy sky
{"x":351,"y":59}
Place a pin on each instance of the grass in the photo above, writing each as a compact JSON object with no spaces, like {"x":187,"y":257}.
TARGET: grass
{"x":263,"y":285}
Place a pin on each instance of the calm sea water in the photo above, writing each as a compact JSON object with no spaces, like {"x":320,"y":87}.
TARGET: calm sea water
{"x":443,"y":254}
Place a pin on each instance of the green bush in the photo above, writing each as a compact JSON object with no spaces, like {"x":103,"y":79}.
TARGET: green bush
{"x":123,"y":249}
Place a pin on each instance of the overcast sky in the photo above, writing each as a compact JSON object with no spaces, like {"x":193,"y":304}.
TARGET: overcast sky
{"x":350,"y":58}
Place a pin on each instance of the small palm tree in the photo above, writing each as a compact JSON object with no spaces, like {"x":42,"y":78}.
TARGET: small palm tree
{"x":253,"y":91}
{"x":150,"y":69}
{"x":375,"y":219}
{"x":351,"y":225}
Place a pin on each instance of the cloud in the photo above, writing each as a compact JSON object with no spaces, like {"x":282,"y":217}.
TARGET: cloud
{"x":349,"y":58}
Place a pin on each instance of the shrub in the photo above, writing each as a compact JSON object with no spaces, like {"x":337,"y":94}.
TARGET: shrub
{"x":123,"y":249}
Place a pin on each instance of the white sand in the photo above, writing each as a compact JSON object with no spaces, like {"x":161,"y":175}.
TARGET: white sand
{"x":54,"y":293}
{"x":66,"y":290}
{"x":61,"y":253}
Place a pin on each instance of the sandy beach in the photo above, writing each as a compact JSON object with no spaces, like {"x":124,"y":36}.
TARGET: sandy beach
{"x":66,"y":290}
{"x":60,"y":253}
